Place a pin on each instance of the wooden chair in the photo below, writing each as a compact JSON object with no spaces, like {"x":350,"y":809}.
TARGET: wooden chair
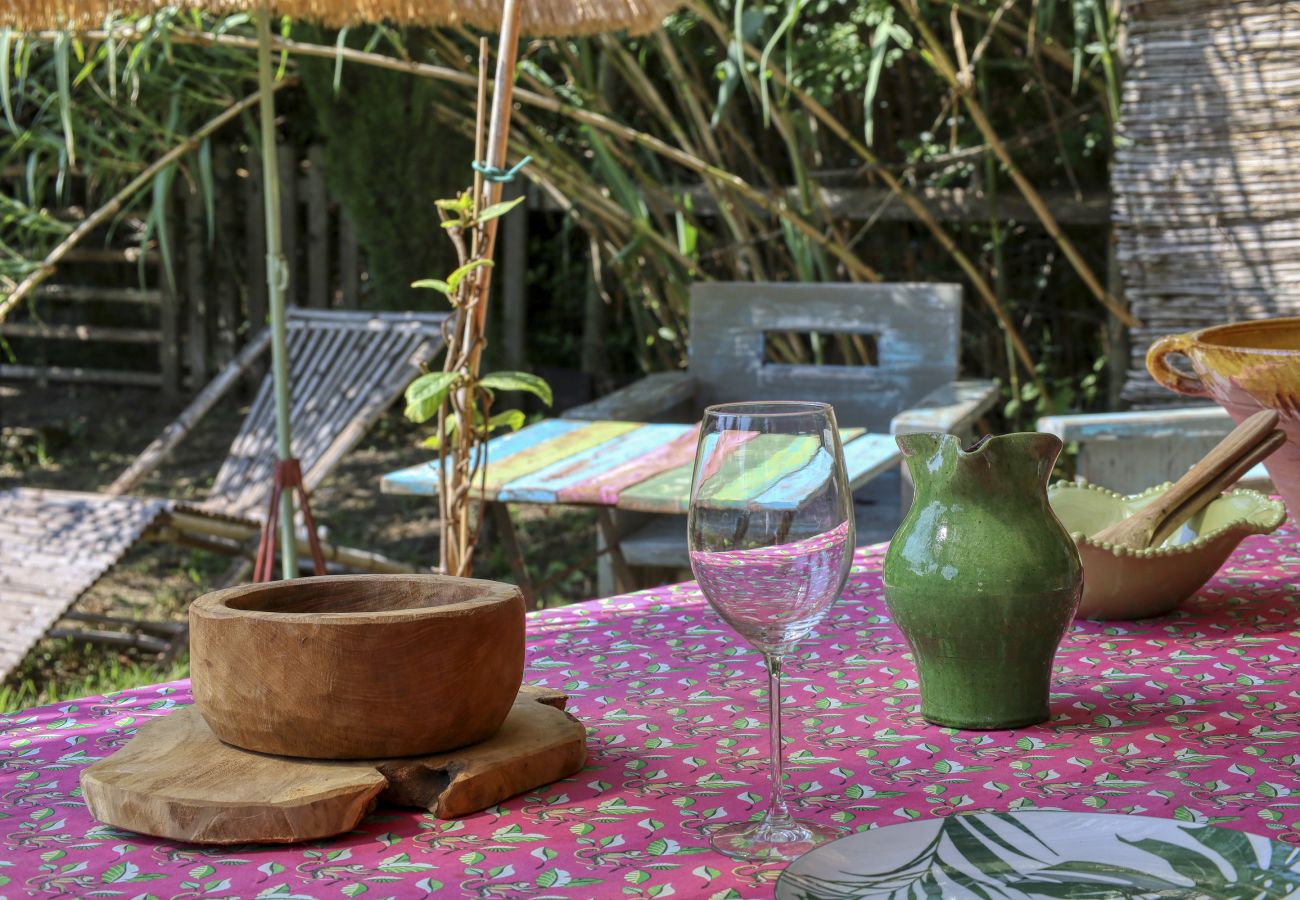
{"x":912,"y":330}
{"x":1129,"y":452}
{"x":346,"y":369}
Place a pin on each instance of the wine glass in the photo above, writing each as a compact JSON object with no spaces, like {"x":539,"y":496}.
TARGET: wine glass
{"x":771,"y":541}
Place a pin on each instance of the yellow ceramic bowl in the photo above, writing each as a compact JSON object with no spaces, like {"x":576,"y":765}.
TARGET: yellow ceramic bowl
{"x":1120,"y":583}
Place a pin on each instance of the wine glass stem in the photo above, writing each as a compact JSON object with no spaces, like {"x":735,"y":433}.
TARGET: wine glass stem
{"x":777,"y":811}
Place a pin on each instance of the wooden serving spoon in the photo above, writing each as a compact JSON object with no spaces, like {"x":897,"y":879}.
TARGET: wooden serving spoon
{"x":1234,"y":456}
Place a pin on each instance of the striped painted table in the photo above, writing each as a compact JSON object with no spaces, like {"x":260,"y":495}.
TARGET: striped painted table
{"x":624,"y":465}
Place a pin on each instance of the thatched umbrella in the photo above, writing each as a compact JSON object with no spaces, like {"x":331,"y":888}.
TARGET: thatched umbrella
{"x":510,"y":17}
{"x":541,"y":17}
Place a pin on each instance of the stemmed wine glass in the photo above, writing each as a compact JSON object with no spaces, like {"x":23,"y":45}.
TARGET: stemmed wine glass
{"x":771,"y":541}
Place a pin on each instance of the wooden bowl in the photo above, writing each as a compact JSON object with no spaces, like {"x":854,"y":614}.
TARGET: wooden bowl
{"x":357,"y":666}
{"x":1123,"y":583}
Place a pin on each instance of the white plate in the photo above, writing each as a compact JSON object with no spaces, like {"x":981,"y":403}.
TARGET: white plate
{"x":1035,"y":853}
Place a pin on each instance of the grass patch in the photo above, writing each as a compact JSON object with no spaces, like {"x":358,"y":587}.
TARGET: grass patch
{"x":22,"y":690}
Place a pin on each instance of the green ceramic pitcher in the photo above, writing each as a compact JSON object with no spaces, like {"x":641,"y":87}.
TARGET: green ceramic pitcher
{"x":981,"y":578}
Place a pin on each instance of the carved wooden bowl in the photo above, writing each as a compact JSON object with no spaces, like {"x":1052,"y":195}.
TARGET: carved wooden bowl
{"x":357,"y":666}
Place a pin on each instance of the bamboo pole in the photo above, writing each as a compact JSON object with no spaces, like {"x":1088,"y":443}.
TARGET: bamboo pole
{"x":497,"y":142}
{"x":277,"y":274}
{"x":48,"y":265}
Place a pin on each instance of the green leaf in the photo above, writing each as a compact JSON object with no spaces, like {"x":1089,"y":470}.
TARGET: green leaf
{"x":433,"y":442}
{"x":500,"y":209}
{"x":657,"y":847}
{"x":879,"y":44}
{"x":518,"y":381}
{"x":208,"y":188}
{"x":5,"y":94}
{"x":355,"y":890}
{"x":340,"y":43}
{"x":433,"y":284}
{"x":1200,"y":869}
{"x":425,"y":394}
{"x":62,"y":80}
{"x":462,"y":204}
{"x":456,"y":277}
{"x":511,"y":418}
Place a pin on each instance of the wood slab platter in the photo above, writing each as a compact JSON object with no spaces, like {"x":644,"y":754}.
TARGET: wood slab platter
{"x":174,"y":779}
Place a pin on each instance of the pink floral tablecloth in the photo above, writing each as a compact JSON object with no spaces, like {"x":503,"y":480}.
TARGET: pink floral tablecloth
{"x":1195,"y":716}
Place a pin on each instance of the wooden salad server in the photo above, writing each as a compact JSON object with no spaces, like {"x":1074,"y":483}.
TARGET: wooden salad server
{"x":1248,"y":444}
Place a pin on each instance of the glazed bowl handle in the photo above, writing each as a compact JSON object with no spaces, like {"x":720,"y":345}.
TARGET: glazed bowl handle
{"x":1167,"y":375}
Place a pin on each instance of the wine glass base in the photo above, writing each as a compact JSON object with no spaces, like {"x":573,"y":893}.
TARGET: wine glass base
{"x":767,"y":840}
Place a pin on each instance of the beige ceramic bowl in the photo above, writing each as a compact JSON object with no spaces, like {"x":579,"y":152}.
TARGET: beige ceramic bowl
{"x":1120,"y":583}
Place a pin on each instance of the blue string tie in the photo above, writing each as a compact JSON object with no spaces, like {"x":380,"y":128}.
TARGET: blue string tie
{"x":493,"y":173}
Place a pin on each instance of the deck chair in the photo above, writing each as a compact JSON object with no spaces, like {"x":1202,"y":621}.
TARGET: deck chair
{"x":346,"y":369}
{"x":912,"y":385}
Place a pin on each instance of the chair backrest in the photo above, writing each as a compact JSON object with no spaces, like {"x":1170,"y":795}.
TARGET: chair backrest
{"x":915,"y":329}
{"x":345,"y":369}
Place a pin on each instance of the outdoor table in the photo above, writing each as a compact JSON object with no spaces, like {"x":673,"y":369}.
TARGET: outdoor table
{"x":608,"y":465}
{"x":1193,"y":716}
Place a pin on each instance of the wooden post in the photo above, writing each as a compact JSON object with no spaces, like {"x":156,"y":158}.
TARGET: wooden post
{"x":226,"y":324}
{"x":514,"y":270}
{"x":609,"y":540}
{"x":318,"y":231}
{"x":196,"y":284}
{"x":289,"y":220}
{"x":349,"y":263}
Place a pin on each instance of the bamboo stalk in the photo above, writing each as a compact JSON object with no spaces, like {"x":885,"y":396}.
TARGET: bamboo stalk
{"x":775,"y":207}
{"x":960,"y":83}
{"x":907,"y":197}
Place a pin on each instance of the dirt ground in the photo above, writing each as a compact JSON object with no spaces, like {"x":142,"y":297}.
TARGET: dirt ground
{"x":80,"y":437}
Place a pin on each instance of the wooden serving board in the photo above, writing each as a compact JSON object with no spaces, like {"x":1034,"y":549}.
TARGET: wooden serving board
{"x":176,"y":780}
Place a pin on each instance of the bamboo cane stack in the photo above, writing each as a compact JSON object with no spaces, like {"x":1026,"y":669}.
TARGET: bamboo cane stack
{"x":1205,"y":180}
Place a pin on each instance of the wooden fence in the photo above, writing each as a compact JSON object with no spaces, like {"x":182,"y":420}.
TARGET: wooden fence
{"x":193,"y":318}
{"x":190,"y":319}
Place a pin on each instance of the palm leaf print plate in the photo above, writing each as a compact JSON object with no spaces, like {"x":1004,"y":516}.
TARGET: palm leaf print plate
{"x":1036,"y":853}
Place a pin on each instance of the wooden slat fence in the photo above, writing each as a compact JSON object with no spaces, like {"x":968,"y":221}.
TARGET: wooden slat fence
{"x":191,"y":320}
